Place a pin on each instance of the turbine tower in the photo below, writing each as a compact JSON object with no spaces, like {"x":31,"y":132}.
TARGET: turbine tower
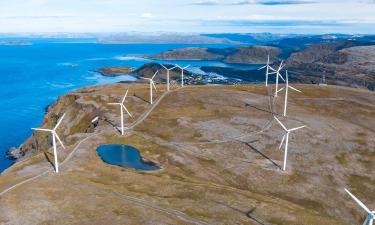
{"x":286,"y":139}
{"x":277,"y":72}
{"x":370,"y":214}
{"x":152,"y":85}
{"x":287,"y":86}
{"x":122,"y":108}
{"x":54,"y":137}
{"x":167,"y":75}
{"x":268,"y":68}
{"x":182,"y":73}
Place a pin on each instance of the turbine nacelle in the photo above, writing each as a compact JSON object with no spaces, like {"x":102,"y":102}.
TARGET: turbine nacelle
{"x":152,"y":84}
{"x":54,"y":137}
{"x":286,"y":139}
{"x":122,"y":107}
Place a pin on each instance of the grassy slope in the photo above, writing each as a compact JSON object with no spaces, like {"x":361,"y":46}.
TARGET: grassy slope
{"x":219,"y":183}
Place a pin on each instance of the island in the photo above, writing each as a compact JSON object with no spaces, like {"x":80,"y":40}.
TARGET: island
{"x":15,"y":43}
{"x":115,"y":71}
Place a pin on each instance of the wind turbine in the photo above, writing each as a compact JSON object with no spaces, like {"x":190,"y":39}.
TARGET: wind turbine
{"x":167,"y":75}
{"x":277,"y":72}
{"x":268,"y":68}
{"x":370,"y":214}
{"x":54,"y":137}
{"x":287,"y":86}
{"x":152,"y":84}
{"x":122,"y":108}
{"x":182,"y":73}
{"x":286,"y":139}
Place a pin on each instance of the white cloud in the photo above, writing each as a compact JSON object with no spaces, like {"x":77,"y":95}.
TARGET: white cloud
{"x":185,"y":16}
{"x":147,"y":16}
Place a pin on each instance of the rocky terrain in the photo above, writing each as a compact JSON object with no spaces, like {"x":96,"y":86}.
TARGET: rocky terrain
{"x":218,"y":149}
{"x":244,"y":55}
{"x":340,"y":63}
{"x":115,"y":70}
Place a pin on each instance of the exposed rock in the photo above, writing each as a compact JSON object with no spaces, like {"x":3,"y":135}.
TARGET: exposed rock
{"x":340,"y":63}
{"x":244,"y":54}
{"x":115,"y":70}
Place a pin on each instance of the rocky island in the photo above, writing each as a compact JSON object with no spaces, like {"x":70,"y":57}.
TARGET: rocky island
{"x":115,"y":70}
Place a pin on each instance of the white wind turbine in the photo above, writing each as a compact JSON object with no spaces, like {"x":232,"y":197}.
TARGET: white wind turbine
{"x":167,"y":74}
{"x":268,"y":68}
{"x":54,"y":137}
{"x":277,"y":72}
{"x":122,"y":108}
{"x":287,"y":86}
{"x":152,"y":85}
{"x":286,"y":139}
{"x":370,"y":214}
{"x":182,"y":73}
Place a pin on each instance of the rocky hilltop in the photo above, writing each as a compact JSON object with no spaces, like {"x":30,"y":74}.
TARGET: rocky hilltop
{"x":340,"y":63}
{"x":244,"y":55}
{"x":218,"y":149}
{"x":149,"y":69}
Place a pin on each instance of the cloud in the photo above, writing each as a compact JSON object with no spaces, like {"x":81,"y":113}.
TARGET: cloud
{"x":255,"y":2}
{"x":209,"y":2}
{"x":147,"y":16}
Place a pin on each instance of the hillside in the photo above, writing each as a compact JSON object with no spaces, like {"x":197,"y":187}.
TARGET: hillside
{"x":341,"y":64}
{"x":244,"y":55}
{"x":218,"y":149}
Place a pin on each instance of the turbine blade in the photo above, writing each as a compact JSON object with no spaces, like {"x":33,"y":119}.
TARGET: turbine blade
{"x":114,"y":103}
{"x":153,"y":84}
{"x":358,"y":201}
{"x":295,"y":89}
{"x":123,"y":99}
{"x":163,"y":66}
{"x":42,"y":129}
{"x":271,"y":68}
{"x":262,"y":67}
{"x":297,"y":128}
{"x":59,"y":121}
{"x":172,"y":68}
{"x":282,"y":141}
{"x":127,"y":110}
{"x":282,"y":125}
{"x":57,"y":137}
{"x":282,"y":78}
{"x":155,"y":74}
{"x":186,"y":67}
{"x":280,"y":90}
{"x":273,"y":72}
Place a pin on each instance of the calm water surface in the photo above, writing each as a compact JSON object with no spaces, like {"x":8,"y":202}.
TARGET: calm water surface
{"x":124,"y":156}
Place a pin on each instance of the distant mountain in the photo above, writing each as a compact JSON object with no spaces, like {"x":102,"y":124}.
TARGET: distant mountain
{"x":243,"y":55}
{"x":164,"y":39}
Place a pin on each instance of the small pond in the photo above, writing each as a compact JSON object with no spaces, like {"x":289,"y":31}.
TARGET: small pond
{"x":124,"y":156}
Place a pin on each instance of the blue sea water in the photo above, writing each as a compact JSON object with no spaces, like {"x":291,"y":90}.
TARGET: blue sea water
{"x":124,"y":156}
{"x":33,"y":76}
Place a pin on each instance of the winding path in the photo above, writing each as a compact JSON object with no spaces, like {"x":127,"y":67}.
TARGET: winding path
{"x":140,"y":201}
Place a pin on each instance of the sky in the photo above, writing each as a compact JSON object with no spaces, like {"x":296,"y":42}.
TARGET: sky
{"x":188,"y":16}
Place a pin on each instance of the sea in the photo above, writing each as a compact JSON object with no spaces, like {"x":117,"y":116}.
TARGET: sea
{"x":34,"y":76}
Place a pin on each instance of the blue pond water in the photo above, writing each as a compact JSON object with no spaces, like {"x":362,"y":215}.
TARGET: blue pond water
{"x":124,"y":156}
